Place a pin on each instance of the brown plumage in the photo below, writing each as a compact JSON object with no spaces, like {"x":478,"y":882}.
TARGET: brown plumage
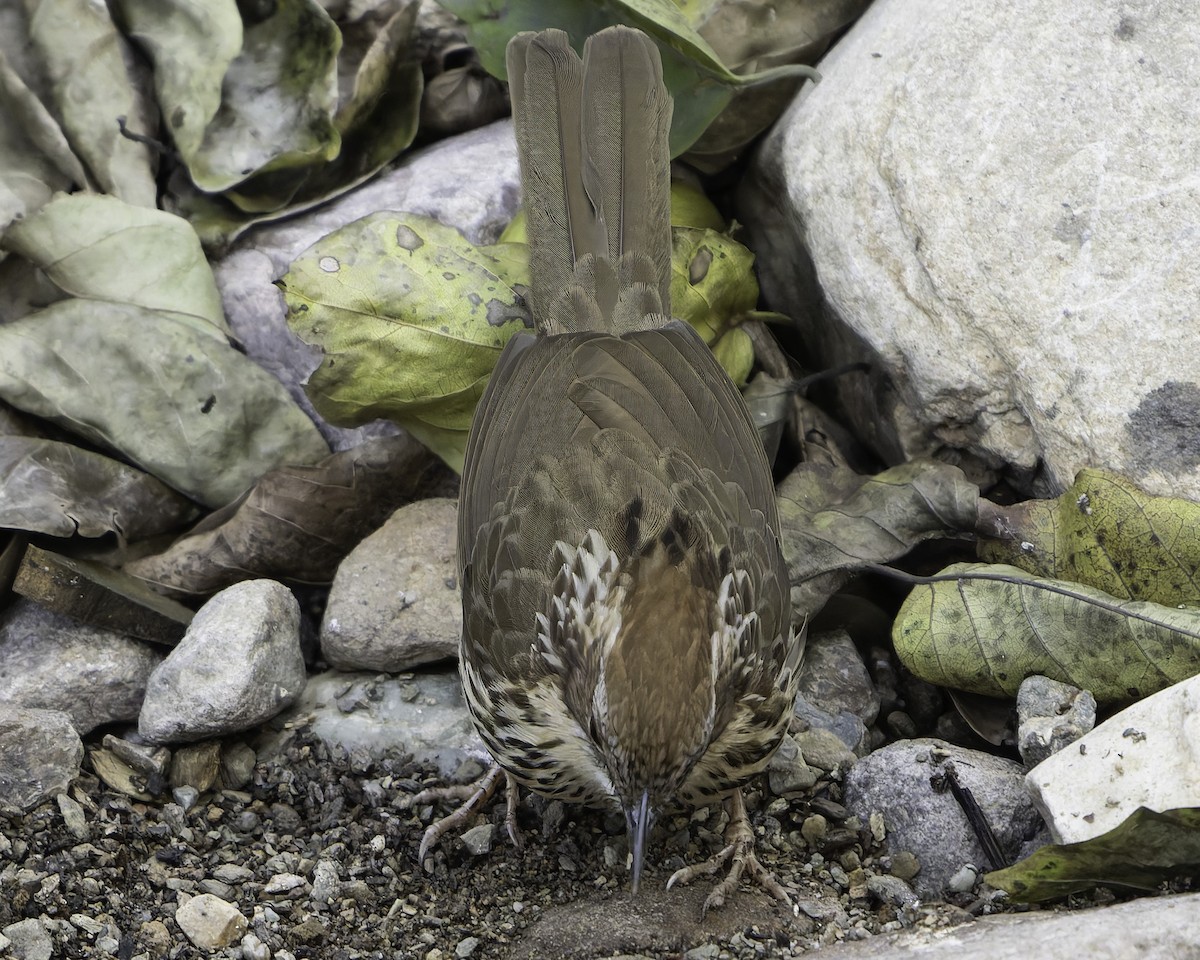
{"x":627,"y":633}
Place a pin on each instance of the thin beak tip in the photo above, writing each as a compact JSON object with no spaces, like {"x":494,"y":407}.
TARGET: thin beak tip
{"x":638,"y":820}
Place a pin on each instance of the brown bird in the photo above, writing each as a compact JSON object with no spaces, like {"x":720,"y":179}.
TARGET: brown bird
{"x":627,"y":636}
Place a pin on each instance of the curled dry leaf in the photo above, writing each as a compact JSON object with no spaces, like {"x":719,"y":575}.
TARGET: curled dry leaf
{"x":1104,"y":532}
{"x":1140,"y":854}
{"x":833,"y":520}
{"x":88,"y":93}
{"x":61,"y":490}
{"x":297,"y":523}
{"x":987,"y":627}
{"x":100,"y":248}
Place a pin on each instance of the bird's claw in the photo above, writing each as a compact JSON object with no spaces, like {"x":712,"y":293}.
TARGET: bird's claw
{"x":738,"y":853}
{"x":474,"y":797}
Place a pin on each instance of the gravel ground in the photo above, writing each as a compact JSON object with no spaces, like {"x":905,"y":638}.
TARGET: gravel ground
{"x":318,"y":852}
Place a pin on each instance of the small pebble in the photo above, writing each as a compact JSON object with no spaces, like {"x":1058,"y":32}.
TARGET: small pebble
{"x":465,"y":947}
{"x":964,"y":879}
{"x":479,"y":839}
{"x":814,"y":829}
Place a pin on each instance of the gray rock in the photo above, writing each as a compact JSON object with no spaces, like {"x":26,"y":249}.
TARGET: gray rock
{"x":1159,"y":927}
{"x":29,"y":940}
{"x":55,"y":663}
{"x":40,"y":754}
{"x":891,"y":889}
{"x":787,"y":771}
{"x":238,"y":664}
{"x":1018,"y":269}
{"x":846,"y":726}
{"x":470,"y":182}
{"x":895,"y":781}
{"x":834,"y":678}
{"x":1051,"y":715}
{"x":395,"y":602}
{"x":210,"y":922}
{"x":479,"y":839}
{"x":1148,"y":755}
{"x":824,"y":750}
{"x":423,"y":713}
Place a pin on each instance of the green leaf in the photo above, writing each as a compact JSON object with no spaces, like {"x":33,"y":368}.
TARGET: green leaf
{"x":35,"y":158}
{"x":61,"y":490}
{"x":411,"y":317}
{"x":712,"y":281}
{"x":297,"y":523}
{"x":1105,"y":532}
{"x":1140,"y":854}
{"x":89,"y":92}
{"x":181,"y":404}
{"x":278,"y":91}
{"x":701,"y":85}
{"x":100,"y":248}
{"x":995,"y":625}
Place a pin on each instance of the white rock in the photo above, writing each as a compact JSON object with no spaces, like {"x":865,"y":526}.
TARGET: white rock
{"x":999,"y":205}
{"x":395,"y":602}
{"x":238,"y":664}
{"x":1146,"y":756}
{"x":209,"y":922}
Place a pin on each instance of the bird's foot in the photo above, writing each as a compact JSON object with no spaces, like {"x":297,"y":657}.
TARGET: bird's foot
{"x":738,"y":853}
{"x":474,"y":796}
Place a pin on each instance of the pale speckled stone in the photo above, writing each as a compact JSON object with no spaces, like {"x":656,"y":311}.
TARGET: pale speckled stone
{"x":996,"y":204}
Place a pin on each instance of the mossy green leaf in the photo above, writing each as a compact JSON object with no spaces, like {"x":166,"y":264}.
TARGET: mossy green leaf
{"x":1105,"y":532}
{"x":1147,"y":849}
{"x":989,"y":626}
{"x":411,"y":318}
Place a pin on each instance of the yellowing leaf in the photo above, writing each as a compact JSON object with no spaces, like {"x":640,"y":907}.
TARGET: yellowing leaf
{"x":1105,"y":532}
{"x":996,"y":625}
{"x":712,"y":280}
{"x":411,"y":316}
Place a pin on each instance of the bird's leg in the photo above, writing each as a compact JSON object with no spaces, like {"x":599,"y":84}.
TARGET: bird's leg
{"x":739,"y":854}
{"x":475,"y":797}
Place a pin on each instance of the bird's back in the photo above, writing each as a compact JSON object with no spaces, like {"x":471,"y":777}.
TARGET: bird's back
{"x":614,"y":480}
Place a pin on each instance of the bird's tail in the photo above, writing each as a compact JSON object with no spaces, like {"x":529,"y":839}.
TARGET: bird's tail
{"x":596,"y":177}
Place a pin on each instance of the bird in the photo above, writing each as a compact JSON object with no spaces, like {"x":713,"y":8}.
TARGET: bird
{"x":627,"y":628}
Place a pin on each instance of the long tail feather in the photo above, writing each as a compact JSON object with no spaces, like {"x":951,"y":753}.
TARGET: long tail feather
{"x":595,"y":172}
